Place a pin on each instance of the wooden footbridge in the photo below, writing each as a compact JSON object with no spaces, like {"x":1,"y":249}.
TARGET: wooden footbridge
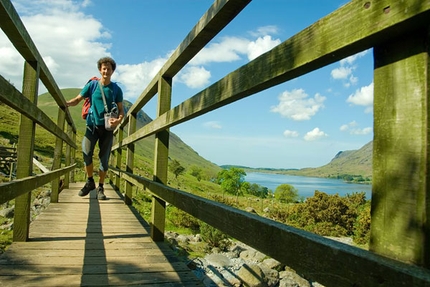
{"x":85,"y":232}
{"x":87,"y":242}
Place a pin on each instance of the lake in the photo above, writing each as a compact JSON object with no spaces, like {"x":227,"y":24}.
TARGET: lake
{"x":306,"y":186}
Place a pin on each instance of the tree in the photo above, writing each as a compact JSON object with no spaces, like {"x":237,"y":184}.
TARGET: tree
{"x":286,"y":193}
{"x":231,"y":180}
{"x":176,"y":168}
{"x":196,"y":172}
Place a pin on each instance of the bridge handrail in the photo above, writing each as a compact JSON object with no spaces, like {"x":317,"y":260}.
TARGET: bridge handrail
{"x":326,"y":261}
{"x":25,"y":103}
{"x":356,"y":26}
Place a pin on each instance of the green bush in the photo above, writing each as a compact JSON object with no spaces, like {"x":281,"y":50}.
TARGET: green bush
{"x":180,"y":218}
{"x":214,"y":237}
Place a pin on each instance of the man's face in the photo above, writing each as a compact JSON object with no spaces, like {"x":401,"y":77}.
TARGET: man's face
{"x":106,"y":70}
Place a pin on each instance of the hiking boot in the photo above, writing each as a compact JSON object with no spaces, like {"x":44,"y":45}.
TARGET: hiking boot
{"x":101,"y":193}
{"x":89,"y":185}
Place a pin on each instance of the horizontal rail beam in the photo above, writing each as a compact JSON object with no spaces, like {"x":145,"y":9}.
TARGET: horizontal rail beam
{"x":210,"y":24}
{"x":13,"y":98}
{"x":326,"y":261}
{"x":12,"y":189}
{"x":350,"y":29}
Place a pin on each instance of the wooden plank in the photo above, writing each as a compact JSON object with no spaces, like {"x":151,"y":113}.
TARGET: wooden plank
{"x":400,"y":226}
{"x":326,"y":261}
{"x":106,"y":245}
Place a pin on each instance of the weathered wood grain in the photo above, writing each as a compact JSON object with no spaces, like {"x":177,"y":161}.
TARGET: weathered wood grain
{"x":86,"y":242}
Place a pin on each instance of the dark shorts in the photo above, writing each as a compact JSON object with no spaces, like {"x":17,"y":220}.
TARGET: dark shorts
{"x":104,"y":138}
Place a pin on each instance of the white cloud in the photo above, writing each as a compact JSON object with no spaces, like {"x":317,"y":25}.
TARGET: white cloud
{"x":136,"y":77}
{"x":291,"y":134}
{"x":228,"y":50}
{"x":314,"y":134}
{"x":297,"y":106}
{"x":195,"y":77}
{"x":346,"y":69}
{"x":261,"y":45}
{"x":52,"y":25}
{"x":354,"y":130}
{"x":212,"y":125}
{"x":341,"y":73}
{"x":362,"y":97}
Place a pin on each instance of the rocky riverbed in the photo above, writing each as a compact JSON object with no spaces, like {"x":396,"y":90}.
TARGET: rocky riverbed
{"x":239,"y":266}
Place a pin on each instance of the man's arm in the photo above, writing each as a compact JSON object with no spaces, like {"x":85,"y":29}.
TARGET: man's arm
{"x":75,"y":101}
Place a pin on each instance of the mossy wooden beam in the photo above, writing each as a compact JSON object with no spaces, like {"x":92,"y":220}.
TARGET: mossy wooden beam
{"x":350,"y":29}
{"x":14,"y":99}
{"x":14,"y":29}
{"x":12,"y":189}
{"x":25,"y":153}
{"x":129,"y":164}
{"x":210,"y":24}
{"x":400,"y":226}
{"x":161,"y":160}
{"x":328,"y":262}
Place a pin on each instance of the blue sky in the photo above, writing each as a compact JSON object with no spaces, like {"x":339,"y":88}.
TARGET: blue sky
{"x":301,"y":123}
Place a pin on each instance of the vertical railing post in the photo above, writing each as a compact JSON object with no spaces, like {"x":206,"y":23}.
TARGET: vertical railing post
{"x":73,"y":156}
{"x":130,"y":159}
{"x":25,"y":151}
{"x":58,"y":151}
{"x":400,"y":225}
{"x":161,"y":154}
{"x":118,"y":155}
{"x":68,"y":156}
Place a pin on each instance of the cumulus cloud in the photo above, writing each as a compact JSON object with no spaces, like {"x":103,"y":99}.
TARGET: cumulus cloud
{"x":346,"y":69}
{"x":297,"y":105}
{"x":363,"y":97}
{"x":56,"y":29}
{"x":261,"y":45}
{"x":135,"y":77}
{"x":195,"y":77}
{"x":353,"y":129}
{"x":314,"y":135}
{"x":291,"y":134}
{"x":231,"y":49}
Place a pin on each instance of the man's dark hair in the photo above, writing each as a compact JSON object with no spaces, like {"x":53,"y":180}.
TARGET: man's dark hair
{"x":105,"y":60}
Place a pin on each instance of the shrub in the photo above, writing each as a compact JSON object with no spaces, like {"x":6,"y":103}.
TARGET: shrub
{"x":214,"y":237}
{"x":182,"y":219}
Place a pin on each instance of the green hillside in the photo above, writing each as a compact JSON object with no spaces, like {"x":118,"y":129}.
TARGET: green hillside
{"x":45,"y":142}
{"x":352,"y":162}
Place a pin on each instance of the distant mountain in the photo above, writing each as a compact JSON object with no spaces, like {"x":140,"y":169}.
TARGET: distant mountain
{"x":350,"y":162}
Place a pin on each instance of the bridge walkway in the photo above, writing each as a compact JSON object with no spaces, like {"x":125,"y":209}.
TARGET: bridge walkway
{"x":86,"y":242}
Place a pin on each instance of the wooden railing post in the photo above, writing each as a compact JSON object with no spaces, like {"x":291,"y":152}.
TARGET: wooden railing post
{"x":118,"y":156}
{"x":130,"y":159}
{"x":161,"y":154}
{"x":25,"y":153}
{"x":73,"y":156}
{"x":400,"y":225}
{"x":56,"y":164}
{"x":68,"y":156}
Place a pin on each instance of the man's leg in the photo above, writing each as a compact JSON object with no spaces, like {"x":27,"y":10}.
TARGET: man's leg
{"x":88,"y":145}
